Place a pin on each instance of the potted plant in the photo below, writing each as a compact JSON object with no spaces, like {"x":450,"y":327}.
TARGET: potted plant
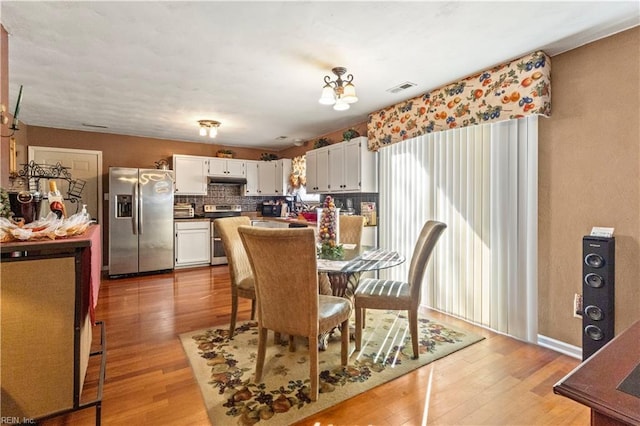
{"x":268,"y":157}
{"x":225,"y":153}
{"x":320,"y":143}
{"x":350,"y":134}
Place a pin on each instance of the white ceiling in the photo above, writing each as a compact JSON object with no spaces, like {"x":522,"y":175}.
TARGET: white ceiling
{"x":153,"y":68}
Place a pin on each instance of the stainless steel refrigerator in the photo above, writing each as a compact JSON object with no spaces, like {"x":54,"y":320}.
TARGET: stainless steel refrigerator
{"x":140,"y":220}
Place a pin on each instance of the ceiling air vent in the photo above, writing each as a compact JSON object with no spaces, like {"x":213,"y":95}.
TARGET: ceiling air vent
{"x":400,"y":87}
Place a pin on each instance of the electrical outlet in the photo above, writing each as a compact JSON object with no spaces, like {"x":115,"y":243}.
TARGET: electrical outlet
{"x":577,"y":305}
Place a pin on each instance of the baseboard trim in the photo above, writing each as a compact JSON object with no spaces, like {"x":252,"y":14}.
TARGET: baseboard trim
{"x":558,"y":346}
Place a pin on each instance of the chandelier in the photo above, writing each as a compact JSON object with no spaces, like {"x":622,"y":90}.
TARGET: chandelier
{"x":339,"y":93}
{"x":210,"y":127}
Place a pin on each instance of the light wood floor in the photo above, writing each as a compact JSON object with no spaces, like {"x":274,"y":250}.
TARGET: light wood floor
{"x":498,"y":381}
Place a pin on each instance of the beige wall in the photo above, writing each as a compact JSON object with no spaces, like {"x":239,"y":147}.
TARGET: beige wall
{"x":589,"y":175}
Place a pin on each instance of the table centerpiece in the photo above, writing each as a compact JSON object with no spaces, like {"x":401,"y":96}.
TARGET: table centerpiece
{"x":329,"y":246}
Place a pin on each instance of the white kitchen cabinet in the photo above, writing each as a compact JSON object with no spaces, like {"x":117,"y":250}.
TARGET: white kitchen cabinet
{"x":190,"y":174}
{"x":227,"y":167}
{"x":349,"y":167}
{"x":317,"y":164}
{"x":252,"y":186}
{"x":336,"y":167}
{"x":192,"y":243}
{"x":273,"y":177}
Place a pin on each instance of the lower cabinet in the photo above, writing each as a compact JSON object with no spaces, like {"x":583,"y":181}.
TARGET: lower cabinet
{"x":192,"y":243}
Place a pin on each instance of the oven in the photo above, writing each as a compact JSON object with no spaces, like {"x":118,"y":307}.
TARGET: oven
{"x":213,"y":212}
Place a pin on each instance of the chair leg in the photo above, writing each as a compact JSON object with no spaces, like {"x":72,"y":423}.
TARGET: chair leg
{"x":292,"y":344}
{"x":253,"y":309}
{"x":234,"y":313}
{"x":276,"y":337}
{"x":364,"y":317}
{"x":413,"y":329}
{"x":313,"y":366}
{"x":262,"y":350}
{"x":359,"y":326}
{"x":345,"y":342}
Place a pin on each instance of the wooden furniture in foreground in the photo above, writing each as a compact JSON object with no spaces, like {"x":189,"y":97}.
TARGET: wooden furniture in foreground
{"x":595,"y":383}
{"x":49,"y":292}
{"x":284,"y":267}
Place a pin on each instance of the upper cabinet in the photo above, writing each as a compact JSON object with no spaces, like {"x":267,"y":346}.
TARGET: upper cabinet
{"x":190,"y":174}
{"x":252,"y":187}
{"x":342,"y":167}
{"x":317,"y":164}
{"x":227,"y":167}
{"x":268,"y":178}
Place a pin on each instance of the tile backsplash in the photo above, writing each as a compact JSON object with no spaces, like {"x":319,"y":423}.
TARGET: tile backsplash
{"x":232,"y":194}
{"x":223,"y":194}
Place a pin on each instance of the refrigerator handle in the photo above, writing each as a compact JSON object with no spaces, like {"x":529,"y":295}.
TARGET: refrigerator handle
{"x":134,"y":216}
{"x":140,"y":204}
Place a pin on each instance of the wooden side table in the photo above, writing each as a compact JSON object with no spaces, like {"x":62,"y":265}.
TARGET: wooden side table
{"x":596,"y":382}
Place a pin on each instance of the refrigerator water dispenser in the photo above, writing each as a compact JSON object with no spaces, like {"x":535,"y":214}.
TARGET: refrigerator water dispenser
{"x":124,"y":206}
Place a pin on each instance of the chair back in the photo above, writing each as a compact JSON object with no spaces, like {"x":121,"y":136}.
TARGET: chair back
{"x":429,"y":235}
{"x":286,"y":278}
{"x":351,"y":229}
{"x":239,"y":266}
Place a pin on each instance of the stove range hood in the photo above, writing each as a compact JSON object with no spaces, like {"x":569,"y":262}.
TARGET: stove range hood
{"x":227,"y":180}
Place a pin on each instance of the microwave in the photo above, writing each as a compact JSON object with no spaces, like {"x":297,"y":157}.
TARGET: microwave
{"x":183,"y":210}
{"x":274,"y":210}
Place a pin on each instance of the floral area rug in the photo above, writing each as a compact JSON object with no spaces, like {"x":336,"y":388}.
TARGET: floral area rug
{"x":225,"y":368}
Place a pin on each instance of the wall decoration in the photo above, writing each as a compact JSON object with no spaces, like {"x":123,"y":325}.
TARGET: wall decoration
{"x":512,"y":90}
{"x":298,"y":176}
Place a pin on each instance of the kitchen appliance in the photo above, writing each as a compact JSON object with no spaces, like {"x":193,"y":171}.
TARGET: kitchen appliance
{"x":183,"y":210}
{"x":272,"y":210}
{"x":140,"y":220}
{"x":217,"y":211}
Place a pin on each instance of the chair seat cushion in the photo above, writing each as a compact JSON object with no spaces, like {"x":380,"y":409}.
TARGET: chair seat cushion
{"x":383,"y":294}
{"x":331,"y":311}
{"x":246,"y":283}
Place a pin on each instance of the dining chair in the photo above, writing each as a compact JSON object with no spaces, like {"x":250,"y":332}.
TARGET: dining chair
{"x":350,"y":227}
{"x":242,"y":282}
{"x":285,"y":270}
{"x":399,"y":295}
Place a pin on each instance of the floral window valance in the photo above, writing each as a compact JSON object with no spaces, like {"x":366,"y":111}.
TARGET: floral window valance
{"x":513,"y":90}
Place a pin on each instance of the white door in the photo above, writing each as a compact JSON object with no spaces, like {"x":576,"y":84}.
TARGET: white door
{"x":83,"y":166}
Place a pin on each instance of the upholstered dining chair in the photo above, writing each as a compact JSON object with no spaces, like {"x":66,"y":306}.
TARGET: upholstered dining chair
{"x":242,"y":283}
{"x":351,"y":229}
{"x":399,"y":295}
{"x":284,"y":266}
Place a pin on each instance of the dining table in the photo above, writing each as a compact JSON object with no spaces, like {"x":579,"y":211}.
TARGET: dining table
{"x":340,"y":277}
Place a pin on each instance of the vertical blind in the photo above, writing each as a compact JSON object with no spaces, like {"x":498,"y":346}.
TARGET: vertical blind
{"x":482,"y":182}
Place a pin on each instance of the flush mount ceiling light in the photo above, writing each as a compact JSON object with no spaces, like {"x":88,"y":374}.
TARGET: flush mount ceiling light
{"x":339,"y":93}
{"x":210,"y":127}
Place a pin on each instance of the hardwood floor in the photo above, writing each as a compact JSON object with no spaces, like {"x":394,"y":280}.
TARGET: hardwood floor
{"x":498,"y":381}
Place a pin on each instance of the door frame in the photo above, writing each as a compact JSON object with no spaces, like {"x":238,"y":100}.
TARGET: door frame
{"x":32,"y":150}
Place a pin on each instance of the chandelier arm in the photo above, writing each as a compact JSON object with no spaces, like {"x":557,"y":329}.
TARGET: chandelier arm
{"x":327,"y":81}
{"x":349,"y":78}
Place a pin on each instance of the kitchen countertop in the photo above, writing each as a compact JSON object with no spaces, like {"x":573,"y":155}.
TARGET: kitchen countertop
{"x":191,"y":219}
{"x":286,"y":220}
